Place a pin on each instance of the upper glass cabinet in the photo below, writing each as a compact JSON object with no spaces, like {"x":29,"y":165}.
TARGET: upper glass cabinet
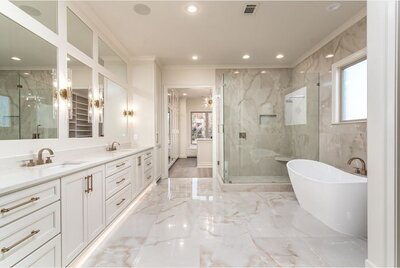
{"x":79,"y":34}
{"x":43,"y":11}
{"x":111,"y":61}
{"x":28,"y":84}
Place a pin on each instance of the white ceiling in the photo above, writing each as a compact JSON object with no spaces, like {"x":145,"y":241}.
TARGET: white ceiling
{"x":220,"y":34}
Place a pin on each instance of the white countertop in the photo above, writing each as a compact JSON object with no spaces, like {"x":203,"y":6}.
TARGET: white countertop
{"x":23,"y":177}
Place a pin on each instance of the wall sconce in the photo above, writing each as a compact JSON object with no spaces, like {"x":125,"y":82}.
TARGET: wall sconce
{"x":128,"y":113}
{"x":95,"y":104}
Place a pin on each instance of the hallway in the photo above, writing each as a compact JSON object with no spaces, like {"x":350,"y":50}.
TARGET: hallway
{"x":187,"y":168}
{"x":191,"y":223}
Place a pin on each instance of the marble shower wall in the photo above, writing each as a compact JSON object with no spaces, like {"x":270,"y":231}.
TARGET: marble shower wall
{"x":337,"y":142}
{"x":32,"y":104}
{"x":254,"y":104}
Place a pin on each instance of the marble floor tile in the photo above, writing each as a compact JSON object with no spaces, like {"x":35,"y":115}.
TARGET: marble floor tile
{"x":191,"y":223}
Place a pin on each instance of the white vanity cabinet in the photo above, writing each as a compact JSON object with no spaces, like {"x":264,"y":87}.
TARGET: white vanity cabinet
{"x":83,"y":210}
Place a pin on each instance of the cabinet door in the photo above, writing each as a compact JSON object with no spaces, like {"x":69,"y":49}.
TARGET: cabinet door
{"x":157,"y":162}
{"x":73,"y":207}
{"x":96,"y":212}
{"x":139,"y":173}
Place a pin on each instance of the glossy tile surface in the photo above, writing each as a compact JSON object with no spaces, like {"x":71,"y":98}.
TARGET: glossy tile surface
{"x":191,"y":223}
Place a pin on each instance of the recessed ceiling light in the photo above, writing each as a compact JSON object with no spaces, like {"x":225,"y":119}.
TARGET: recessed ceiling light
{"x":31,"y":10}
{"x":26,"y":73}
{"x":236,"y":72}
{"x":195,"y":57}
{"x":192,"y":9}
{"x":142,"y":9}
{"x":333,"y":6}
{"x":15,"y":58}
{"x":263,"y":71}
{"x":329,"y":56}
{"x":184,"y":94}
{"x":68,"y":58}
{"x":246,"y":56}
{"x":280,"y":56}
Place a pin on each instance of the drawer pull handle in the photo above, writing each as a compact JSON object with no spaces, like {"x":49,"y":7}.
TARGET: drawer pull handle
{"x":149,"y":177}
{"x":33,"y":199}
{"x":118,"y":182}
{"x":122,"y":201}
{"x":6,"y":249}
{"x":148,"y":164}
{"x":120,"y":165}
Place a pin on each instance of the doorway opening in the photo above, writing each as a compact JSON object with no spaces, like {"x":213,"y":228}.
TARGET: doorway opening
{"x":190,"y":132}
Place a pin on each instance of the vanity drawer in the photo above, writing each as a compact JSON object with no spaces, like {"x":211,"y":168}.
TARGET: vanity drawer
{"x":118,"y":165}
{"x":148,"y":163}
{"x":148,"y":177}
{"x":118,"y":203}
{"x":48,"y":255}
{"x":116,"y":182}
{"x":18,"y":204}
{"x":19,"y":239}
{"x":147,"y":154}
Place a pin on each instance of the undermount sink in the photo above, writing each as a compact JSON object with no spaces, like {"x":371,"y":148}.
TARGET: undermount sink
{"x":64,"y":164}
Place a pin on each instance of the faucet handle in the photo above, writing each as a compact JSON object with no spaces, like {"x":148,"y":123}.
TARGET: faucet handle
{"x":48,"y":159}
{"x":28,"y":163}
{"x":358,"y":171}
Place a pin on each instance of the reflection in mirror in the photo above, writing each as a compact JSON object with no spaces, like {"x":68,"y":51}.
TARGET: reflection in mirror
{"x":101,"y":110}
{"x":80,"y":80}
{"x":79,"y":34}
{"x":116,"y":102}
{"x":43,"y":11}
{"x":28,"y":80}
{"x":110,"y":60}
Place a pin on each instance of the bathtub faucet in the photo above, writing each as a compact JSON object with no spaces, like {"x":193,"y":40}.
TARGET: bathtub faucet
{"x":363,"y":170}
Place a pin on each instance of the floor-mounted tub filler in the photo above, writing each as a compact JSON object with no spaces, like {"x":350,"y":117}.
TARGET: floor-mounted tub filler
{"x":335,"y":197}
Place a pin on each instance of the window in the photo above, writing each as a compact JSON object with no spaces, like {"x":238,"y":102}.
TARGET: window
{"x":201,"y":126}
{"x":350,"y":89}
{"x":5,"y":111}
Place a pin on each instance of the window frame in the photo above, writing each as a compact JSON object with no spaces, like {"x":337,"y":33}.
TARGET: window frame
{"x":209,"y":113}
{"x":337,"y":69}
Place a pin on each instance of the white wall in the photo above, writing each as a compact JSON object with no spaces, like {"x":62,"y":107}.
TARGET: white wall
{"x":143,"y":83}
{"x":188,"y":77}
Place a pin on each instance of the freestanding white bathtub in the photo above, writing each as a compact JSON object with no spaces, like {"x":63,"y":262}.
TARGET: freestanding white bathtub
{"x":335,"y":197}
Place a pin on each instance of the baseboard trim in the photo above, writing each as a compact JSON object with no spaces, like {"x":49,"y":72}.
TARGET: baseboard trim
{"x":204,"y":165}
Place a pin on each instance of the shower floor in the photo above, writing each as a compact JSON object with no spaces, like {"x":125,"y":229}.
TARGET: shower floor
{"x":258,"y":179}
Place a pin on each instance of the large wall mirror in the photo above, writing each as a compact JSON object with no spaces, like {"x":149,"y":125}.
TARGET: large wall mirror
{"x":115,"y":103}
{"x":43,"y":11}
{"x":110,"y":60}
{"x":28,"y":80}
{"x":80,"y":98}
{"x":79,"y":34}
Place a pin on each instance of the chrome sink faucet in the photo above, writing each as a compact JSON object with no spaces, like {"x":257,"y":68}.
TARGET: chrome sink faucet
{"x":113,"y":146}
{"x":363,"y":170}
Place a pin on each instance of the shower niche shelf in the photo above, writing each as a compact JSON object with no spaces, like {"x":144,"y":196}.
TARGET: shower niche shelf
{"x":265,"y":118}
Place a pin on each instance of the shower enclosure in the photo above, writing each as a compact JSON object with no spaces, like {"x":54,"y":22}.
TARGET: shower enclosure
{"x":265,"y":117}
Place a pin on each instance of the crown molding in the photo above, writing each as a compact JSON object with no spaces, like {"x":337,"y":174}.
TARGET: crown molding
{"x":353,"y":20}
{"x":214,"y":67}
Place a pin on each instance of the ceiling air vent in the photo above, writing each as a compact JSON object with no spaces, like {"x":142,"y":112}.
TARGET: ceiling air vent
{"x":250,"y":9}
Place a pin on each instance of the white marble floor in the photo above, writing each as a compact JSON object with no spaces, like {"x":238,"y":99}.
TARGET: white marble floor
{"x":190,"y":223}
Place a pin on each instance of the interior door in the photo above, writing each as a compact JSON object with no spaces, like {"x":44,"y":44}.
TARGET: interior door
{"x":73,"y":207}
{"x":96,"y":218}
